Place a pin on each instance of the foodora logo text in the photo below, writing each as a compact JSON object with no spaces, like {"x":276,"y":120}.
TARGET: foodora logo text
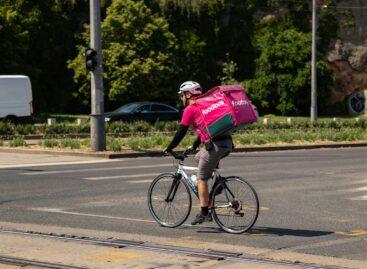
{"x":213,"y":107}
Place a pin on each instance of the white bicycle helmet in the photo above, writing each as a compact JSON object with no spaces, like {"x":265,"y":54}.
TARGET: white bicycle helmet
{"x":190,"y":86}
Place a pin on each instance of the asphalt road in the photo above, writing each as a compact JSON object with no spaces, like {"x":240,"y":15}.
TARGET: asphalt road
{"x":312,"y":201}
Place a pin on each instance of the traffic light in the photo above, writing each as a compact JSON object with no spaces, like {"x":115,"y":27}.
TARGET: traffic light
{"x":90,"y":59}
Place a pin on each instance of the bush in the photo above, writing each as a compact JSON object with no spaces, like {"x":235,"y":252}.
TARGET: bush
{"x":85,"y":143}
{"x":117,"y":127}
{"x":25,"y":129}
{"x":18,"y":142}
{"x":6,"y":128}
{"x":70,"y":143}
{"x":50,"y":143}
{"x":140,"y":127}
{"x":133,"y":143}
{"x":1,"y":143}
{"x":114,"y":144}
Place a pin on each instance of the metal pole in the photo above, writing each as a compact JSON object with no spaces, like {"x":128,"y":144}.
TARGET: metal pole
{"x":314,"y":68}
{"x":98,"y":136}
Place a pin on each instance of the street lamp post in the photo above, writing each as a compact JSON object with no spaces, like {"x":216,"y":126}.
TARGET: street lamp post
{"x":97,"y":133}
{"x":314,"y":68}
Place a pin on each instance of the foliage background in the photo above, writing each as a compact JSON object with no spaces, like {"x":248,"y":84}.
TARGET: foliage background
{"x":151,"y":46}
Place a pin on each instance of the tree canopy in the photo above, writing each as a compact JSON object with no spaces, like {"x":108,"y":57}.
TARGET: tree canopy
{"x":150,"y":47}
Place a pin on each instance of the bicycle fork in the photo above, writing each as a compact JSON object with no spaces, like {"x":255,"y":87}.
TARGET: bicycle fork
{"x":174,"y":187}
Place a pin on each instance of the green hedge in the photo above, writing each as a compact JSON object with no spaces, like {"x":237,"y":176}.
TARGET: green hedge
{"x":118,"y":128}
{"x":249,"y":138}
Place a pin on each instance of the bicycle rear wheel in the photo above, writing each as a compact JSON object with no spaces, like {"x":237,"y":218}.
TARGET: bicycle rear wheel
{"x":169,"y":200}
{"x":236,"y":206}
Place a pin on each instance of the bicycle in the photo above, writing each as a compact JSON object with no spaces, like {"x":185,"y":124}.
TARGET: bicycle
{"x":231,"y":197}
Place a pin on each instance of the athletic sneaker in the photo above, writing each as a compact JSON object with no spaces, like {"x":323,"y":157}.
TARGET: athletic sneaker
{"x":200,"y":218}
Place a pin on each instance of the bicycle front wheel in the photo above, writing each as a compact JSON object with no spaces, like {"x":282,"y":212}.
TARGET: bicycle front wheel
{"x":169,"y":200}
{"x":235,"y":205}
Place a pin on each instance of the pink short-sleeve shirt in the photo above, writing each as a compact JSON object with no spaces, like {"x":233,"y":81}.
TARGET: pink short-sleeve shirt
{"x":192,"y":116}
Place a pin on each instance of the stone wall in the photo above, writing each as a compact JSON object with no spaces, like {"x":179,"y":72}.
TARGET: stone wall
{"x":348,"y":55}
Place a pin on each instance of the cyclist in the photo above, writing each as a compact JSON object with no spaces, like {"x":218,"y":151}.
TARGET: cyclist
{"x":209,"y":156}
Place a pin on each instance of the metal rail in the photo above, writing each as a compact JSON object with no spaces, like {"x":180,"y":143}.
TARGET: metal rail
{"x":39,"y":264}
{"x":210,"y":254}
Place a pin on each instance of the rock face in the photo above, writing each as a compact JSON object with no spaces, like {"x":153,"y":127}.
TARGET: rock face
{"x":348,"y":56}
{"x":348,"y":80}
{"x":355,"y":55}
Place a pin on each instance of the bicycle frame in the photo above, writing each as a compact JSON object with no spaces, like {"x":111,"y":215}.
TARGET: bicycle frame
{"x":223,"y":202}
{"x":181,"y":174}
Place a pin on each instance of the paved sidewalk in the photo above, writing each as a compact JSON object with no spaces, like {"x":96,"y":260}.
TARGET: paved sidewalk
{"x":94,"y":256}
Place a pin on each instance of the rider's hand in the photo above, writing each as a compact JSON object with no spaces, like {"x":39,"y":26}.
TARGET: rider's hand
{"x":167,"y":152}
{"x":189,"y":150}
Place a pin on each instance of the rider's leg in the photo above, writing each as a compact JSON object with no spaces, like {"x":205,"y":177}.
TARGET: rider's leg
{"x":204,"y":202}
{"x":203,"y":192}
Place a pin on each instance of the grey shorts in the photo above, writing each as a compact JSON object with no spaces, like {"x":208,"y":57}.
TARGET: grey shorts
{"x":208,"y":160}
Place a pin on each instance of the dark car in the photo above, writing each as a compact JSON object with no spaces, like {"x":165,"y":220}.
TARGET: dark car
{"x":146,"y":111}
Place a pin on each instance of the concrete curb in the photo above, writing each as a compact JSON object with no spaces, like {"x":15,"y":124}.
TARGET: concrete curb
{"x":136,"y":154}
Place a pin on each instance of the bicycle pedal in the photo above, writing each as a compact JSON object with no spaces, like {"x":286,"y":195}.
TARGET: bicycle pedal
{"x":240,"y":214}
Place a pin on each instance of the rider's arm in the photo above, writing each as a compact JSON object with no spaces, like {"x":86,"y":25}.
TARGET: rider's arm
{"x":196,"y":143}
{"x":180,"y":134}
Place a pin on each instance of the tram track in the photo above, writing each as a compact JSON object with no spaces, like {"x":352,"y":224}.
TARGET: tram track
{"x":24,"y":263}
{"x":208,"y":254}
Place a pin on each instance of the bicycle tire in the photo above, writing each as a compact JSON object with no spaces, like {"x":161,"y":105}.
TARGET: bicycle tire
{"x":152,"y":193}
{"x":217,"y":207}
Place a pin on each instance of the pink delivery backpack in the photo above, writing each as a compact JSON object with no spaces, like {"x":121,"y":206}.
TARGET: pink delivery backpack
{"x":225,"y":109}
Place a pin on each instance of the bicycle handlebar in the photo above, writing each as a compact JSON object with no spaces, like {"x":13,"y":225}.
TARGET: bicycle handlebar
{"x":179,"y":156}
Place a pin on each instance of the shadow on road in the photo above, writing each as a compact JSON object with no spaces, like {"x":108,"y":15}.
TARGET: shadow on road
{"x":264,"y":231}
{"x":288,"y":232}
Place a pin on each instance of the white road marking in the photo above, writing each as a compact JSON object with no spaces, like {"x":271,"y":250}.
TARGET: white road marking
{"x":55,"y":163}
{"x":357,"y":189}
{"x":139,"y":181}
{"x":93,"y":169}
{"x":361,"y":198}
{"x":122,"y":177}
{"x":343,"y":191}
{"x":61,"y":211}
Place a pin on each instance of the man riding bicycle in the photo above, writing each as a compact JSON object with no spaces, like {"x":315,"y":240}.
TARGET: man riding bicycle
{"x":209,"y":156}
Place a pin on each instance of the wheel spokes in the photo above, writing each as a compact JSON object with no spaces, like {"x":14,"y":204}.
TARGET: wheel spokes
{"x":176,"y":209}
{"x":236,"y":208}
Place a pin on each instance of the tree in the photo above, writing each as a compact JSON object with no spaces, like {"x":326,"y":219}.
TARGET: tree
{"x":37,"y":38}
{"x":14,"y":40}
{"x":282,"y":78}
{"x":223,"y":27}
{"x":283,"y":69}
{"x":138,"y":52}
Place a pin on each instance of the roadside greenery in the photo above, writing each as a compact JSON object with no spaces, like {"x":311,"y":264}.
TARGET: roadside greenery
{"x":67,"y":143}
{"x":250,"y":137}
{"x":18,"y":142}
{"x":49,"y":143}
{"x":119,"y":128}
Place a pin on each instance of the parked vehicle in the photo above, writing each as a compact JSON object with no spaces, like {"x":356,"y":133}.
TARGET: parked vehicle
{"x":146,"y":111}
{"x":16,"y":103}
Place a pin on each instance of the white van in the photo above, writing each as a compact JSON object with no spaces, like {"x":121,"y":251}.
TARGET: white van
{"x":16,"y":104}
